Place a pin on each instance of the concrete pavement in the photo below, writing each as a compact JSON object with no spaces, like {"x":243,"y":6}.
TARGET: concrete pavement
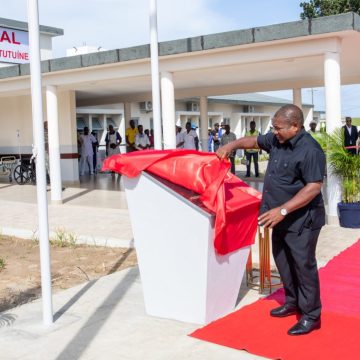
{"x":105,"y":319}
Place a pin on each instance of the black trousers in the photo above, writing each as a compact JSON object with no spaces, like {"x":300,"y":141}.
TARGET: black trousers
{"x":232,"y":161}
{"x":294,"y":256}
{"x":255,"y":156}
{"x":352,"y":151}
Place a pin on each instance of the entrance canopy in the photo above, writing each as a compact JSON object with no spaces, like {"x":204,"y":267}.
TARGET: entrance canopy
{"x":282,"y":56}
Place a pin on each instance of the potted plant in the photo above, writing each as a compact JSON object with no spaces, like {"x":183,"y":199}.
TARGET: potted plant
{"x":346,"y":167}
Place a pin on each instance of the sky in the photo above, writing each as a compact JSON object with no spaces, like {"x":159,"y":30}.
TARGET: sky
{"x":122,"y":23}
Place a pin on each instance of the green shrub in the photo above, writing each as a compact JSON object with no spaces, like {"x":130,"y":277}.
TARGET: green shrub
{"x":344,"y":165}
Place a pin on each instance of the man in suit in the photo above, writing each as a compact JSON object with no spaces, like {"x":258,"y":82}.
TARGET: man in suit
{"x":350,"y":135}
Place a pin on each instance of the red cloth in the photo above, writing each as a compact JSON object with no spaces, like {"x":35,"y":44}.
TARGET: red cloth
{"x":235,"y":204}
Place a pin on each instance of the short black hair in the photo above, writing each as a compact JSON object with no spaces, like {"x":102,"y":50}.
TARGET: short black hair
{"x":291,"y":113}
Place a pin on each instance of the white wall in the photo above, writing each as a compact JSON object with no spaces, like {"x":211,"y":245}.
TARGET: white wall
{"x":45,"y":47}
{"x":16,"y":115}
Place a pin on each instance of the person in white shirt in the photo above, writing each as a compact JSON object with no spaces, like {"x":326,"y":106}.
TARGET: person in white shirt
{"x":113,"y":141}
{"x":189,"y":139}
{"x":142,"y":141}
{"x":179,"y":143}
{"x":227,"y":138}
{"x":87,"y":151}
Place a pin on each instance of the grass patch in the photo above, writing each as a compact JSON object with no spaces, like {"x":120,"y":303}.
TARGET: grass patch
{"x":2,"y":264}
{"x":62,"y":238}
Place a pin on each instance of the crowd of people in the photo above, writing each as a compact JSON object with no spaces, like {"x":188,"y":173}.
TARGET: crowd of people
{"x":138,"y":139}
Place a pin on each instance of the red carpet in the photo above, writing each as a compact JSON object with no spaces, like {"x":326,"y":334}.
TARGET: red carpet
{"x":253,"y":329}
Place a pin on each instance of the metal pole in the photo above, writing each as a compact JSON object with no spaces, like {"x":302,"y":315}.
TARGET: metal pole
{"x":38,"y":130}
{"x":19,"y":145}
{"x":155,"y":81}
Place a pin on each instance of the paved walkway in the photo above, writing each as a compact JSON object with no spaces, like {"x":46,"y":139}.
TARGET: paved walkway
{"x":94,"y":215}
{"x":105,"y":319}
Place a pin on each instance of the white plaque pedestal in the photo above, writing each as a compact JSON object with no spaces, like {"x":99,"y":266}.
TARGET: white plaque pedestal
{"x":182,"y":276}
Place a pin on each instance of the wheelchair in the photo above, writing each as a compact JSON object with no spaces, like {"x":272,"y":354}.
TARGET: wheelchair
{"x":7,"y":166}
{"x":25,"y":172}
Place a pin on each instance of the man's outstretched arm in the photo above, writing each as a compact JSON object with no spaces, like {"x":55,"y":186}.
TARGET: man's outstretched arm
{"x":248,"y":142}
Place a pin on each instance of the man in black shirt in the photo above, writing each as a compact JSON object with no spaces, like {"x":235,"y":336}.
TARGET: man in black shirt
{"x":293,"y":207}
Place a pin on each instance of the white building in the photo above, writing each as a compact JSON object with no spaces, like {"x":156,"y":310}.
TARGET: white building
{"x":301,"y":54}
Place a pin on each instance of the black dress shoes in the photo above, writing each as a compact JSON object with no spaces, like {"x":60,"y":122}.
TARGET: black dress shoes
{"x":304,"y":326}
{"x":284,"y":310}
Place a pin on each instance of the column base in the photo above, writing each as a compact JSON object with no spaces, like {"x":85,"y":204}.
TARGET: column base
{"x":332,"y":220}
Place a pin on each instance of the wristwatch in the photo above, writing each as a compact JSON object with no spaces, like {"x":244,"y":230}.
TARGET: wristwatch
{"x":283,"y":212}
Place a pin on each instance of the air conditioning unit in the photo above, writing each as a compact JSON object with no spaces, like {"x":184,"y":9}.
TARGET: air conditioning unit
{"x":191,"y":106}
{"x":249,"y":109}
{"x":146,"y":106}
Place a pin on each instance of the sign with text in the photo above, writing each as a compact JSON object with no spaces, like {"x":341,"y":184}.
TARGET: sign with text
{"x":14,"y":46}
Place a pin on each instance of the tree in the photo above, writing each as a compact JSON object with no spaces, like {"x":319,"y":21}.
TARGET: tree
{"x":318,"y":8}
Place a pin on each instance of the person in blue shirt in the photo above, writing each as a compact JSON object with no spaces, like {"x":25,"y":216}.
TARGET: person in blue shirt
{"x":210,"y":141}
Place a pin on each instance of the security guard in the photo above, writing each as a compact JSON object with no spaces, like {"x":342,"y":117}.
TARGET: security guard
{"x":252,"y":153}
{"x":293,"y":207}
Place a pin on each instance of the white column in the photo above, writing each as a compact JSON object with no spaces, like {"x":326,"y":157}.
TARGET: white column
{"x":38,"y":125}
{"x":332,"y":84}
{"x":90,"y":123}
{"x":127,"y":113}
{"x":204,"y":123}
{"x":101,"y":138}
{"x":154,"y":52}
{"x":297,"y":98}
{"x":168,"y":110}
{"x":54,"y":144}
{"x":122,"y":130}
{"x":104,"y":122}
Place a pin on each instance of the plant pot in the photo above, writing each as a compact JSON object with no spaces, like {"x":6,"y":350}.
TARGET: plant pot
{"x":349,"y":215}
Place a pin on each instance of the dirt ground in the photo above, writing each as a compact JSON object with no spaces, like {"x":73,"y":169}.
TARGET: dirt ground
{"x":71,"y":265}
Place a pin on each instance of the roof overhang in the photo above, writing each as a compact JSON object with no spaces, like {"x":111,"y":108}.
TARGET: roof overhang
{"x":275,"y":57}
{"x":21,"y":25}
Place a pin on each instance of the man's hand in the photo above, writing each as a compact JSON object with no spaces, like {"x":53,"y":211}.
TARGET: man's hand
{"x":270,"y":218}
{"x":224,"y":152}
{"x":248,"y":142}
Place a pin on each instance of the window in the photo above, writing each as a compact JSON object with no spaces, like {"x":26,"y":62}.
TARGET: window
{"x":80,"y":123}
{"x":96,"y":125}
